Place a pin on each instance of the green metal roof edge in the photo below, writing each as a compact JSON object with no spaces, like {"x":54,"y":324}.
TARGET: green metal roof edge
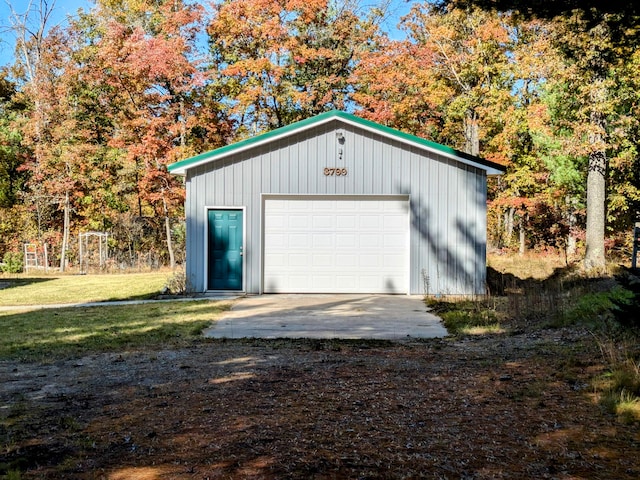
{"x":248,"y":141}
{"x":421,"y":141}
{"x":184,"y":164}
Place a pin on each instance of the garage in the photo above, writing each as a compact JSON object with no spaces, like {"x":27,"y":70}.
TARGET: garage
{"x":336,"y":204}
{"x":336,"y":244}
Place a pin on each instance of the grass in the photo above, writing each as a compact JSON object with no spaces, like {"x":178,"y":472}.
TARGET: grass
{"x":47,"y":334}
{"x":467,"y":317}
{"x":531,"y":265}
{"x":26,"y":290}
{"x":471,"y":322}
{"x":539,"y":292}
{"x":594,"y":308}
{"x":43,"y":334}
{"x":628,"y":408}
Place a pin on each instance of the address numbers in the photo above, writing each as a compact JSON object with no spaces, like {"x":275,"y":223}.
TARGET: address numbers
{"x":335,"y":172}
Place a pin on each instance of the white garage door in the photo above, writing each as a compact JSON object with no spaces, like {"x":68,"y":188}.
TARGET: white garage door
{"x":336,"y":245}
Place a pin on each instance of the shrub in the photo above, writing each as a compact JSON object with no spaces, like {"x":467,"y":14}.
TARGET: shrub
{"x":12,"y":263}
{"x":178,"y":284}
{"x":598,"y":308}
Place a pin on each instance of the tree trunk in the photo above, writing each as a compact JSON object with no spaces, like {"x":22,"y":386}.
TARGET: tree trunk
{"x":471,"y":134}
{"x":522,"y":247}
{"x":508,"y":225}
{"x":65,"y":233}
{"x":596,"y":182}
{"x":167,"y":229}
{"x":594,"y":256}
{"x":571,"y":222}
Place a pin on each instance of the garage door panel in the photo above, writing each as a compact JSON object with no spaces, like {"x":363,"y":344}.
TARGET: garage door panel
{"x":323,"y":282}
{"x":370,"y":222}
{"x":370,"y":282}
{"x":298,"y":240}
{"x":326,"y":245}
{"x":346,"y":260}
{"x":300,"y":205}
{"x":298,"y":260}
{"x":370,"y":206}
{"x":394,"y":285}
{"x":371,"y":241}
{"x":323,"y":222}
{"x":346,"y":241}
{"x":393,"y":241}
{"x":277,"y":260}
{"x":322,"y":261}
{"x":346,"y":282}
{"x":298,"y":221}
{"x":346,"y":222}
{"x":393,"y":221}
{"x":370,"y":263}
{"x":278,"y":221}
{"x":276,"y":240}
{"x":302,"y":280}
{"x":322,"y":240}
{"x":389,"y":262}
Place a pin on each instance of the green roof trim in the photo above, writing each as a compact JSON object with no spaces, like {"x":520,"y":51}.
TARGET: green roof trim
{"x":183,"y":165}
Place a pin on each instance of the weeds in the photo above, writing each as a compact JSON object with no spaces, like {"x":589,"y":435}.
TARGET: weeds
{"x":597,"y":309}
{"x":607,"y":307}
{"x":628,"y":408}
{"x":624,"y":405}
{"x":619,"y":386}
{"x":466,"y":317}
{"x":178,"y":283}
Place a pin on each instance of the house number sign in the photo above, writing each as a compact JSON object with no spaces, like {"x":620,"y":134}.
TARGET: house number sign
{"x":335,"y":172}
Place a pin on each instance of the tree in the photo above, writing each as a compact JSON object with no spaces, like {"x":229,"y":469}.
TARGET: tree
{"x":595,"y":37}
{"x":624,"y":172}
{"x":452,"y":77}
{"x":284,"y":60}
{"x":542,"y":189}
{"x":38,"y":54}
{"x":142,"y":55}
{"x":12,"y":179}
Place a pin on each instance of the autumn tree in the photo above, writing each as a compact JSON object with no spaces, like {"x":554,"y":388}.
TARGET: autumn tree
{"x":624,"y":165}
{"x":142,"y":56}
{"x":540,"y":192}
{"x":394,"y":85}
{"x":450,"y":80}
{"x":279,"y":61}
{"x":476,"y":80}
{"x":12,"y":177}
{"x":39,"y":63}
{"x":596,"y":39}
{"x":11,"y":152}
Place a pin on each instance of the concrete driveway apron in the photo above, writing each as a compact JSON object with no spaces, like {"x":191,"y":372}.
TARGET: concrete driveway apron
{"x":393,"y":317}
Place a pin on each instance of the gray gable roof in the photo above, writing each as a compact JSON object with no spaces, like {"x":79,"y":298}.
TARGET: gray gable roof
{"x":181,"y":168}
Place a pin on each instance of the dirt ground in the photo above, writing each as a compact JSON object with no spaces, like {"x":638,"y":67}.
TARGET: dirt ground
{"x":502,"y":406}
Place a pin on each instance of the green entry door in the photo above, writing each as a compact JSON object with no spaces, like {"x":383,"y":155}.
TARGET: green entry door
{"x":225,"y":250}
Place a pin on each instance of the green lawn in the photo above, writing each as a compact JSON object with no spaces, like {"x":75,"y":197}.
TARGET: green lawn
{"x":50,"y":333}
{"x":80,"y":288}
{"x":33,"y":333}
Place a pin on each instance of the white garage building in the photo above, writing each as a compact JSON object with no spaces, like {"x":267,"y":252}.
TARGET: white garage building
{"x":336,"y":204}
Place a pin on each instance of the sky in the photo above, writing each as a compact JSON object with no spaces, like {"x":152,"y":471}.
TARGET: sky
{"x":64,"y":8}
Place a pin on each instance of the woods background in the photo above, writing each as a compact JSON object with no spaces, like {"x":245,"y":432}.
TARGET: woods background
{"x":93,"y":110}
